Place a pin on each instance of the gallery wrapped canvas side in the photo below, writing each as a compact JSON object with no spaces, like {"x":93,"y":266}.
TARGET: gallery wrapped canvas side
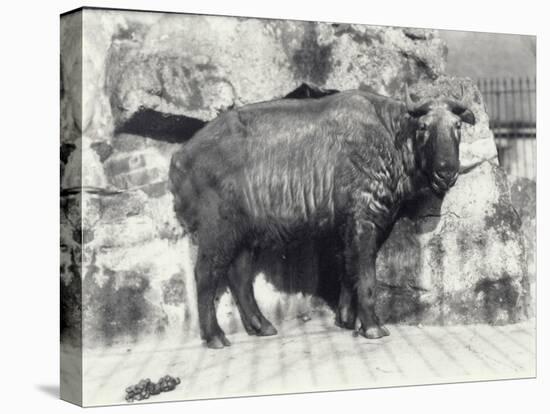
{"x":71,"y":207}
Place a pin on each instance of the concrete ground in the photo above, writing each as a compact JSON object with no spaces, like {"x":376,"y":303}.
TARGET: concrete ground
{"x":313,"y":355}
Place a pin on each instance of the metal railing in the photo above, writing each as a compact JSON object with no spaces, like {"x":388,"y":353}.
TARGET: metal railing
{"x":511,"y":105}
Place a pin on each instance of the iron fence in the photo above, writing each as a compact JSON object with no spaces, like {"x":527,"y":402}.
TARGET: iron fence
{"x":511,"y":105}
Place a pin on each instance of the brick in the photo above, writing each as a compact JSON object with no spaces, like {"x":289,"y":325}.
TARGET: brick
{"x":155,"y":190}
{"x":128,"y":142}
{"x":136,"y":178}
{"x":124,"y":163}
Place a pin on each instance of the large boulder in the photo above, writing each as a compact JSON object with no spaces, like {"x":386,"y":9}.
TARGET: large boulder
{"x":460,"y":260}
{"x":198,"y":65}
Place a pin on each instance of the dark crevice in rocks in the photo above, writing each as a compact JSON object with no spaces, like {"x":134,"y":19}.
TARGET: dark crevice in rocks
{"x":161,"y":126}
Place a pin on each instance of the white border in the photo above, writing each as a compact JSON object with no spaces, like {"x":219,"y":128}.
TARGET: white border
{"x":29,"y":202}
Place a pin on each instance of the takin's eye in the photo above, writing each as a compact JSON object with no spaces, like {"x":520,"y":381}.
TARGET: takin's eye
{"x":458,"y":124}
{"x":422,"y":133}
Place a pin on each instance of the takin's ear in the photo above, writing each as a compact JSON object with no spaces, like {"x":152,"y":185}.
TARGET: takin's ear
{"x":468,"y":117}
{"x":465,"y":114}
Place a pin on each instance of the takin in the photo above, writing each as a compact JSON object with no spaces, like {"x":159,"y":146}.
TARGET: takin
{"x":334,"y":168}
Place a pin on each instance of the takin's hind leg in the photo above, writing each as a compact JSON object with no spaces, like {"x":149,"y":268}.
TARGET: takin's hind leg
{"x":207,"y":275}
{"x":241,"y":278}
{"x":347,"y":307}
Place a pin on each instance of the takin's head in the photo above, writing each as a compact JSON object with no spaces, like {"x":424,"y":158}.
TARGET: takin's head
{"x":436,"y":142}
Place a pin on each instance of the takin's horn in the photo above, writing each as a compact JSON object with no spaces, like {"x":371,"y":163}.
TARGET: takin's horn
{"x":408,"y":100}
{"x":460,"y":108}
{"x":415,"y":109}
{"x":458,"y":104}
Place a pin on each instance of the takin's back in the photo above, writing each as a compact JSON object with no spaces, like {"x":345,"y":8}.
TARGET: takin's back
{"x":278,"y":160}
{"x":278,"y":121}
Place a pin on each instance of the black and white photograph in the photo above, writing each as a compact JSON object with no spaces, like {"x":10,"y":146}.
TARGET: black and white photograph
{"x":291,"y":207}
{"x":314,"y":206}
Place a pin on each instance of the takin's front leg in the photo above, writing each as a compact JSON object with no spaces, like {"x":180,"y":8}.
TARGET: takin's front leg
{"x":362,"y":248}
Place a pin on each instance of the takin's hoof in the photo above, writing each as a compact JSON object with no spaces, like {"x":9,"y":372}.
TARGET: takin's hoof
{"x":264,"y":330}
{"x":267,"y":330}
{"x":260,"y":327}
{"x":217,"y":342}
{"x":250,"y":330}
{"x":344,"y":324}
{"x":374,"y":332}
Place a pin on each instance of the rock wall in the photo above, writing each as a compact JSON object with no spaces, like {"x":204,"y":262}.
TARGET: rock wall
{"x":459,"y":261}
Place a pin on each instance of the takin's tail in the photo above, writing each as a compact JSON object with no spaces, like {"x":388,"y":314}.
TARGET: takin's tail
{"x":161,"y":126}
